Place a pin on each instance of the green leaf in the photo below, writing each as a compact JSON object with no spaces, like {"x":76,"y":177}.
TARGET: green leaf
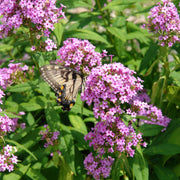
{"x":30,"y":119}
{"x":139,"y":36}
{"x":164,"y":173}
{"x":150,"y":129}
{"x":119,"y":33}
{"x":86,"y":34}
{"x":5,"y":47}
{"x":163,"y":149}
{"x":65,"y":171}
{"x":157,"y":91}
{"x":171,"y":135}
{"x":19,"y":146}
{"x":67,"y":147}
{"x":90,"y":119}
{"x":52,"y":117}
{"x":17,"y":174}
{"x":140,"y":167}
{"x":34,"y":172}
{"x":78,"y":123}
{"x":9,"y":114}
{"x":23,"y":87}
{"x":173,"y":94}
{"x":79,"y":138}
{"x":149,"y":71}
{"x":176,"y":77}
{"x":58,"y":31}
{"x":150,"y":56}
{"x":36,"y":103}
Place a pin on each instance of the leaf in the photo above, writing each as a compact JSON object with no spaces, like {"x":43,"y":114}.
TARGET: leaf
{"x":26,"y":86}
{"x":36,"y":103}
{"x":164,"y":173}
{"x":171,"y":135}
{"x":5,"y":47}
{"x":19,"y":146}
{"x":79,"y":138}
{"x":149,"y":71}
{"x":163,"y":149}
{"x":58,"y":31}
{"x":157,"y":91}
{"x":140,"y":167}
{"x":119,"y":33}
{"x":52,"y":117}
{"x":150,"y":129}
{"x":30,"y":119}
{"x":67,"y":147}
{"x":150,"y":56}
{"x":139,"y":36}
{"x":90,"y":119}
{"x":78,"y":123}
{"x":173,"y":94}
{"x":86,"y":34}
{"x":9,"y":114}
{"x":17,"y":174}
{"x":34,"y":172}
{"x":175,"y":75}
{"x":65,"y":172}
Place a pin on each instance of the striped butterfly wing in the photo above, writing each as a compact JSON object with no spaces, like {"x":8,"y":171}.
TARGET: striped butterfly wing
{"x":64,"y":81}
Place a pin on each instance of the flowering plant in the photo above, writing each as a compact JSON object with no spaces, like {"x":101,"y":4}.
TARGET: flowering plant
{"x":122,"y":83}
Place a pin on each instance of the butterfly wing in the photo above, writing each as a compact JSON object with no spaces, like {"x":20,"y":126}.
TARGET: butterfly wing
{"x":64,"y":81}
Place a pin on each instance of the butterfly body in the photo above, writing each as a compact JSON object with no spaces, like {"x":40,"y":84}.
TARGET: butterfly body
{"x":64,"y":81}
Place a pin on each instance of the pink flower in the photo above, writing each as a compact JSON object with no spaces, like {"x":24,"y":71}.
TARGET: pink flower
{"x":164,"y":21}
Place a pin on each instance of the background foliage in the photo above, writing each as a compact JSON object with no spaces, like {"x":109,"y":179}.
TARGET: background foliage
{"x":116,"y":27}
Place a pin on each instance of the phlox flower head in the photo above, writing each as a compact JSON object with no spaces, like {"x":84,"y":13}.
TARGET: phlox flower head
{"x":80,"y":55}
{"x":98,"y":167}
{"x":109,"y":87}
{"x":6,"y":125}
{"x":7,"y":158}
{"x":1,"y":96}
{"x":49,"y":136}
{"x":140,"y":106}
{"x":15,"y":73}
{"x":164,"y":22}
{"x":111,"y":137}
{"x":42,"y":15}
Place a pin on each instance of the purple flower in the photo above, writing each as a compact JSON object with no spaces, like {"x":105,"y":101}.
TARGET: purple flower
{"x":50,"y":137}
{"x":164,"y":21}
{"x":7,"y":158}
{"x":109,"y":137}
{"x":80,"y":55}
{"x":109,"y":87}
{"x":42,"y":14}
{"x":140,"y":106}
{"x":98,"y":167}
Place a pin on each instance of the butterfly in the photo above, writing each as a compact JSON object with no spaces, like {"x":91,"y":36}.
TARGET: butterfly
{"x":64,"y":81}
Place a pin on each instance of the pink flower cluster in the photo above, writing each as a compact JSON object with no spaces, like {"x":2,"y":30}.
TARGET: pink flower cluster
{"x":110,"y":137}
{"x":41,"y":13}
{"x":140,"y":106}
{"x":6,"y":125}
{"x":164,"y":21}
{"x":50,"y":137}
{"x":98,"y":167}
{"x":50,"y":45}
{"x":15,"y":73}
{"x":109,"y":87}
{"x":79,"y":55}
{"x":7,"y":158}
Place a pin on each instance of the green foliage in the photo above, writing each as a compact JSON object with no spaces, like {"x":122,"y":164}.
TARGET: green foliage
{"x":115,"y":27}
